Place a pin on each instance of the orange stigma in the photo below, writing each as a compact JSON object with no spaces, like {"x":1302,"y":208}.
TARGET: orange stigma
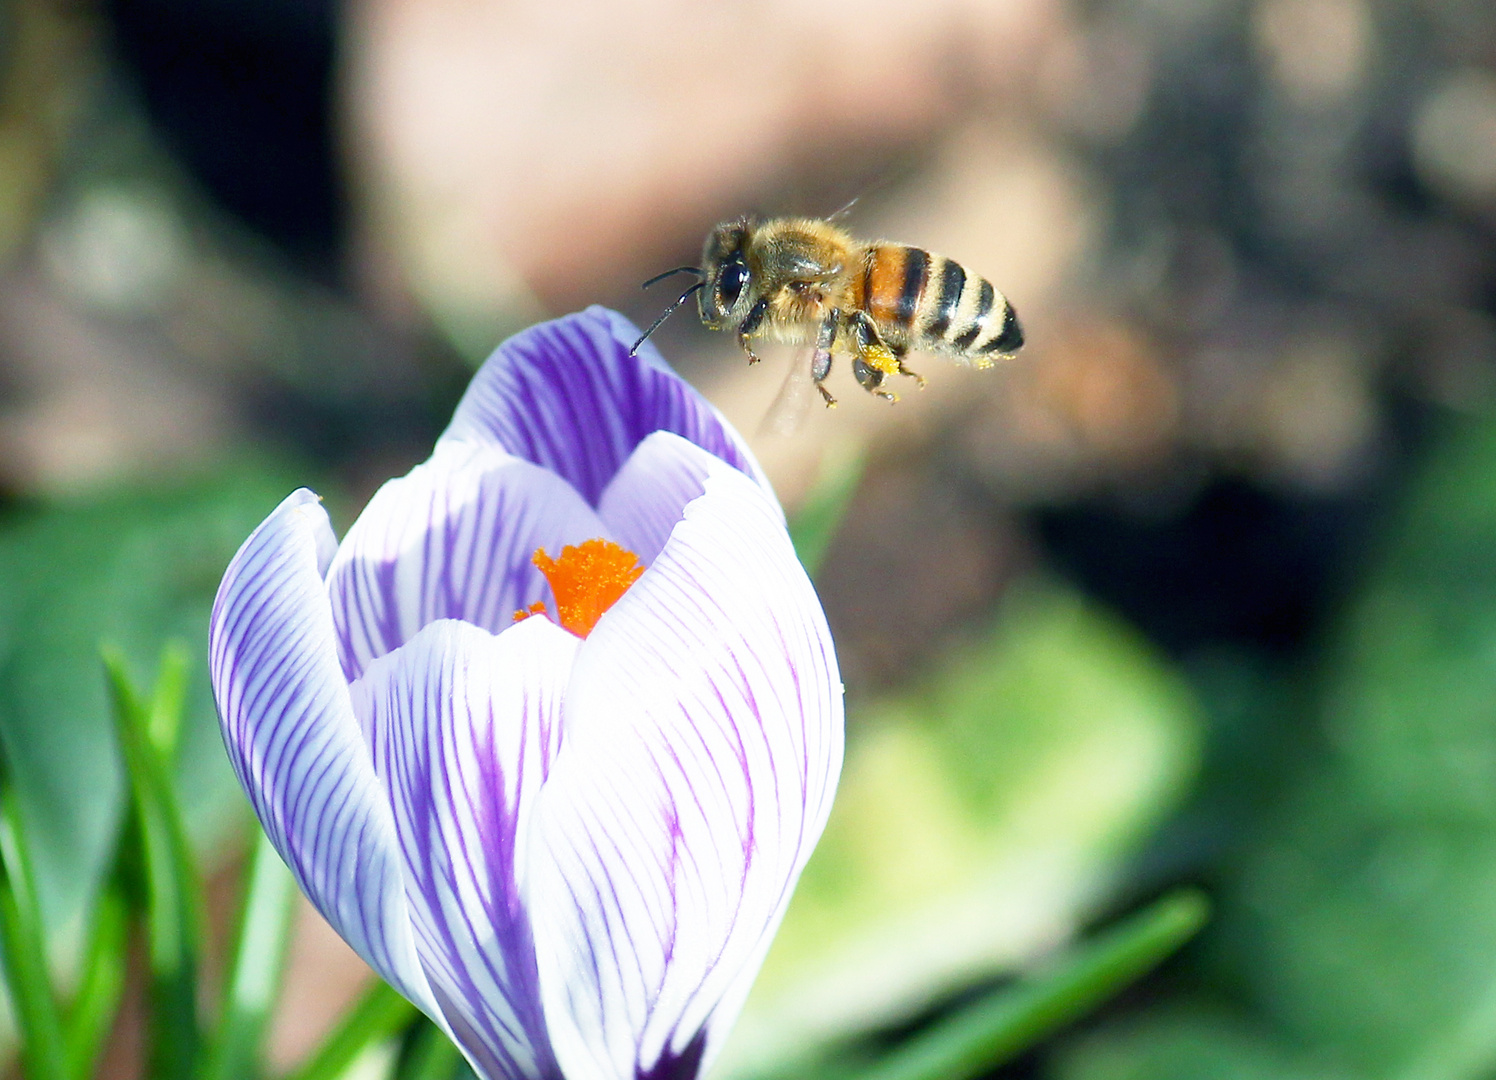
{"x":587,"y":579}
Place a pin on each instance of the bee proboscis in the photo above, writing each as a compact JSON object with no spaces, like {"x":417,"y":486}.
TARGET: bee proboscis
{"x":808,"y":281}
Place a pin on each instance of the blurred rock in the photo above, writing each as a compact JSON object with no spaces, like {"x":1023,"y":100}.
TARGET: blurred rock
{"x":1454,"y":136}
{"x":86,"y":401}
{"x":1097,"y":403}
{"x":120,"y":250}
{"x":1319,"y":49}
{"x":551,"y":146}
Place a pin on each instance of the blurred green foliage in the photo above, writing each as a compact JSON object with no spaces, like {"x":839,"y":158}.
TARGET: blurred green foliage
{"x":153,"y":861}
{"x":1357,"y":934}
{"x":135,"y":567}
{"x":979,"y":816}
{"x":814,"y":526}
{"x":154,"y":881}
{"x":1001,"y":1024}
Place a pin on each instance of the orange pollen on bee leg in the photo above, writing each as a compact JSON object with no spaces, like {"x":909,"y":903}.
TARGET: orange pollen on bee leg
{"x":587,"y":580}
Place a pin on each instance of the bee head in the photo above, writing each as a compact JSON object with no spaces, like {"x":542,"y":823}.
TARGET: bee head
{"x":726,"y":295}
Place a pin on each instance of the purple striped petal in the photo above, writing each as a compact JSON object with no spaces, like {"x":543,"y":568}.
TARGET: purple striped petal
{"x":453,"y":539}
{"x":290,"y":731}
{"x":567,"y":395}
{"x":648,"y":496}
{"x":703,"y":742}
{"x":464,"y":726}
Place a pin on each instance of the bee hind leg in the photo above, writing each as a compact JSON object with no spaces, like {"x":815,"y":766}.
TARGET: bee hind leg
{"x":916,"y":376}
{"x":871,"y":379}
{"x":872,"y":360}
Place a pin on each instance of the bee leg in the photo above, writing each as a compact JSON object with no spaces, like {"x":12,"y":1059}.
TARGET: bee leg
{"x":871,"y":379}
{"x":899,"y":355}
{"x":872,"y":360}
{"x":749,"y":324}
{"x":819,"y":372}
{"x":868,"y":344}
{"x":820,"y":361}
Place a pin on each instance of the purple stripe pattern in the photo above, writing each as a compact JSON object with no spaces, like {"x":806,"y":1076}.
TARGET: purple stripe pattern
{"x":567,"y":396}
{"x":453,"y":539}
{"x":677,"y":818}
{"x":294,"y":741}
{"x":572,"y":854}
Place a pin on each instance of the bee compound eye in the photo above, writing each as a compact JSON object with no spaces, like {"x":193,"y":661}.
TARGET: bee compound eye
{"x":730,"y":285}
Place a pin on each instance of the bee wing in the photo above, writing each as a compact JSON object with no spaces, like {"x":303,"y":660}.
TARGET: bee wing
{"x":845,"y":211}
{"x":792,"y":403}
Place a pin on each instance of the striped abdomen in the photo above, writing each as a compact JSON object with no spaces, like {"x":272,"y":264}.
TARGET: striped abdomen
{"x":933,"y":303}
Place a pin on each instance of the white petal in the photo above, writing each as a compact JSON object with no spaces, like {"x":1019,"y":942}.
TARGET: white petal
{"x":648,"y":496}
{"x":703,"y":740}
{"x":289,"y":729}
{"x":464,"y":726}
{"x":568,"y":395}
{"x":451,"y":540}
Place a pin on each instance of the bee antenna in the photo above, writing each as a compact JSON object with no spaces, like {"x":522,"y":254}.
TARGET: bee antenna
{"x":656,"y":324}
{"x":678,"y":270}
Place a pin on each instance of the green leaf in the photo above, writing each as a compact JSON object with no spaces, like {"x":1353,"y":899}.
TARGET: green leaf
{"x":138,"y":567}
{"x":379,"y":1014}
{"x":432,"y":1056}
{"x":171,"y":888}
{"x":1201,"y":1040}
{"x":1358,"y":920}
{"x":91,"y":1015}
{"x":815,"y":524}
{"x":43,"y":1050}
{"x":1003,"y":1025}
{"x":258,"y":961}
{"x":164,"y":724}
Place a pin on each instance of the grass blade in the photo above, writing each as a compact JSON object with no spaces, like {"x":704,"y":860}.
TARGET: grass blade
{"x":259,"y":958}
{"x":172,"y":905}
{"x":432,"y":1057}
{"x":24,"y":945}
{"x":91,"y":1015}
{"x":164,"y":719}
{"x":380,"y":1013}
{"x":1009,"y":1021}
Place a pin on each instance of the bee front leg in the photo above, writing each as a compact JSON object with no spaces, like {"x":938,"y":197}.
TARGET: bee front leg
{"x":750,"y":323}
{"x":820,"y":361}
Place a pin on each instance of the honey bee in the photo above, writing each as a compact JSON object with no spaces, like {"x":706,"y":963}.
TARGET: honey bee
{"x":808,"y":281}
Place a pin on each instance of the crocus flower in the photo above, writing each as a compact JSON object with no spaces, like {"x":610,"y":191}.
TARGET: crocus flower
{"x":557,"y":797}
